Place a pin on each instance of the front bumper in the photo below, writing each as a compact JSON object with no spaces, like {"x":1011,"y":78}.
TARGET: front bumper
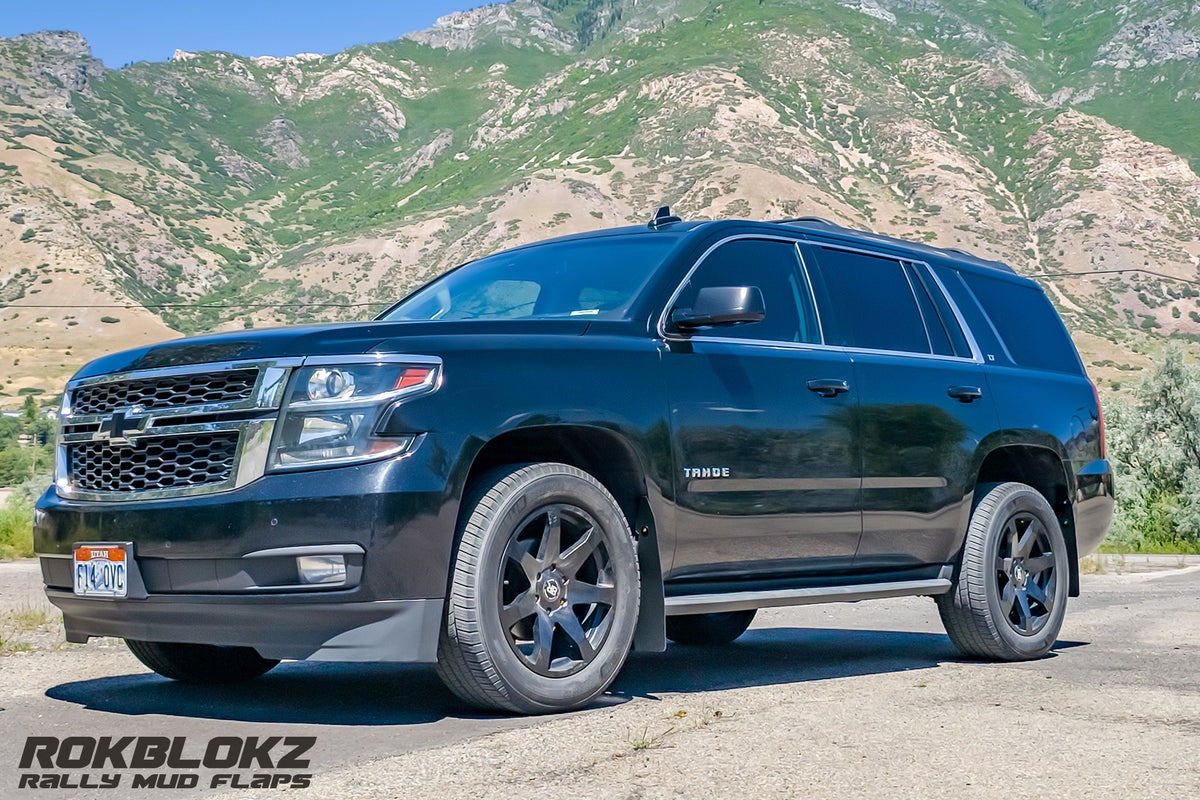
{"x":208,"y":569}
{"x":276,"y":626}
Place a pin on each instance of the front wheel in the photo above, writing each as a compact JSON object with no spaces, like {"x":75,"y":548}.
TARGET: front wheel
{"x":200,"y":663}
{"x":1010,"y":596}
{"x":544,"y":597}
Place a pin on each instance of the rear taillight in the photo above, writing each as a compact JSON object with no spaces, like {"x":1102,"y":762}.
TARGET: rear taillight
{"x":1100,"y":419}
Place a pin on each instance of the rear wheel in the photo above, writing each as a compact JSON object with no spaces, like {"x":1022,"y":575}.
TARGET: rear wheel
{"x":544,"y":596}
{"x":719,"y":628}
{"x":1010,"y":596}
{"x":200,"y":663}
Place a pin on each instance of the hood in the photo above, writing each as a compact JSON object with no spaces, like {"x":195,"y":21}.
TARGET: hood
{"x":425,"y":338}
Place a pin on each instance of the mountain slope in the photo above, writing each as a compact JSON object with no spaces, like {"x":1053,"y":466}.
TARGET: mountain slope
{"x":215,"y":190}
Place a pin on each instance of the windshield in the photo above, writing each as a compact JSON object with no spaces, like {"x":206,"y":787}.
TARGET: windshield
{"x":594,"y":278}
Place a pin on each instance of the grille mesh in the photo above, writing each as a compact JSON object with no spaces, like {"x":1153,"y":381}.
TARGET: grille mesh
{"x":164,"y":462}
{"x":178,"y":390}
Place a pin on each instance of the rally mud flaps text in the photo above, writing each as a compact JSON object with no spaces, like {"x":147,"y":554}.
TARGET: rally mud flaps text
{"x":161,"y":762}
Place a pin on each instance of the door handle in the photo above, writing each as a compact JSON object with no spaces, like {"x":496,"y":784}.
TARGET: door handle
{"x":828,"y":387}
{"x":965,"y":394}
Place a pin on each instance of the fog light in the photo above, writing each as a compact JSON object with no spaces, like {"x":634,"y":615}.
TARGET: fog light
{"x":321,"y":569}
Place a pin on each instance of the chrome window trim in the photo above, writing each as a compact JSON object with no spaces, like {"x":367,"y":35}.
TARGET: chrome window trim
{"x":912,"y":290}
{"x":976,"y":353}
{"x":813,"y":295}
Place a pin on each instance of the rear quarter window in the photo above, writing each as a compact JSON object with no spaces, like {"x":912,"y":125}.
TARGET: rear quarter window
{"x":1027,"y":323}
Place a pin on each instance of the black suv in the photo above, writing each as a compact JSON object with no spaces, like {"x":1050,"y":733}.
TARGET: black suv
{"x":556,"y":453}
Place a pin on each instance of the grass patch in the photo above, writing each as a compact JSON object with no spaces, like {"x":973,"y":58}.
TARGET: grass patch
{"x":16,"y":528}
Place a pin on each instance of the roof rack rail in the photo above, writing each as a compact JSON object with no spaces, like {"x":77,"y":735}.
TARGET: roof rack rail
{"x":662,"y":217}
{"x":818,"y":220}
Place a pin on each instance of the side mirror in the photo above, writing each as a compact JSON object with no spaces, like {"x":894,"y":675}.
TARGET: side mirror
{"x":721,"y":305}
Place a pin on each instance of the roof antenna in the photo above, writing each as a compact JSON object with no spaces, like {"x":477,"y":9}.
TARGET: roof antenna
{"x":662,"y":217}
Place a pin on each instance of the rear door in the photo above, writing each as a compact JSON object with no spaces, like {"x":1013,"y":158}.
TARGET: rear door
{"x":924,"y":404}
{"x":767,"y":476}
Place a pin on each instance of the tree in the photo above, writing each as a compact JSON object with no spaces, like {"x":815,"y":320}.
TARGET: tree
{"x":1155,"y":447}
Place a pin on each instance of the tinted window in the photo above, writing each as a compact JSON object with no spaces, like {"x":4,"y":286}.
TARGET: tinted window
{"x":944,"y":319}
{"x":596,"y":278}
{"x":871,"y":302}
{"x":1027,"y":322}
{"x":772,"y":266}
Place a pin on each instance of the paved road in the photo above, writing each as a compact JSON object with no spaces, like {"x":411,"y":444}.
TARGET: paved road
{"x":865,"y":700}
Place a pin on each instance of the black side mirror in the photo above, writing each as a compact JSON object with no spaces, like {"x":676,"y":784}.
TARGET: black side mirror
{"x":721,"y":305}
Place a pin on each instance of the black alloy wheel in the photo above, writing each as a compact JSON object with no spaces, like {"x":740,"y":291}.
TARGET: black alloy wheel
{"x":556,"y":590}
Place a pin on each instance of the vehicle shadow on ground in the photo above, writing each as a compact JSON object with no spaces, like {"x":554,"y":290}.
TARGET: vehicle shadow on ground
{"x":397,"y":694}
{"x":767,"y":656}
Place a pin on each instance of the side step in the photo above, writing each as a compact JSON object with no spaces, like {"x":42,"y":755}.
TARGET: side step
{"x":743,"y":601}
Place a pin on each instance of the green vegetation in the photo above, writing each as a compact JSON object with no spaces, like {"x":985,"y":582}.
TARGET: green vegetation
{"x":26,"y":462}
{"x":16,"y":527}
{"x":1154,"y":443}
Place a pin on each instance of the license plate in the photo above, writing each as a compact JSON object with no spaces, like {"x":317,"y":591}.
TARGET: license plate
{"x":102,"y":570}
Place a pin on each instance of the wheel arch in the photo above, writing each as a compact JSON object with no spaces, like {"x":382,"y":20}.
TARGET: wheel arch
{"x":614,"y":461}
{"x":1042,"y":467}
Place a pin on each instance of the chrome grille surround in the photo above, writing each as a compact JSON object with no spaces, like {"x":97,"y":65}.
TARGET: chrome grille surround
{"x":216,"y":440}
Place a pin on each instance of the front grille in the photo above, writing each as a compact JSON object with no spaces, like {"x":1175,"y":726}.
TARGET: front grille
{"x":162,"y":462}
{"x":226,"y":386}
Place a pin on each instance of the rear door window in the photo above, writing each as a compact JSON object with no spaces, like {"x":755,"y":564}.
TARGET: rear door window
{"x":870,"y":302}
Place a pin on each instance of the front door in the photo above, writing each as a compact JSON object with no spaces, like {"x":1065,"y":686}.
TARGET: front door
{"x":768,"y":470}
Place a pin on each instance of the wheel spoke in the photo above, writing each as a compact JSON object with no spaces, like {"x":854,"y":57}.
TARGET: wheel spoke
{"x":569,"y":623}
{"x":530,"y":564}
{"x":1035,"y":591}
{"x":1007,"y":598}
{"x":551,"y":544}
{"x":577,"y":554}
{"x":1038,"y":564}
{"x":1025,"y":542}
{"x":1024,"y":611}
{"x":524,"y":606}
{"x":543,"y":639}
{"x":1013,"y":534}
{"x":585,"y":594}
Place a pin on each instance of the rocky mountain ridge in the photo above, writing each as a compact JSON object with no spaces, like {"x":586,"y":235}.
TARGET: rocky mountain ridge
{"x":217,"y":191}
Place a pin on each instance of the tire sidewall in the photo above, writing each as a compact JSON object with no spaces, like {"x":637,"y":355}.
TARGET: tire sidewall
{"x":525,"y":687}
{"x":1026,"y":500}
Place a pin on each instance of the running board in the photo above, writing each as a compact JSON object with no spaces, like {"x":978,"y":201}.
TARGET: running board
{"x":744,"y":601}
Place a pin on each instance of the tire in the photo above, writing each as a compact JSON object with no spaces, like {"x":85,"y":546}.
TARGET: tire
{"x":544,"y":592}
{"x":700,"y":629}
{"x":1010,"y":596}
{"x":201,"y":663}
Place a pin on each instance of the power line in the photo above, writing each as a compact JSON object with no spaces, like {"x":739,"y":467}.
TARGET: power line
{"x":1164,"y":276}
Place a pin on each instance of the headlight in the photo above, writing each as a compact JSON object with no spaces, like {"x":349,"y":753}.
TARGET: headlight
{"x":331,"y":413}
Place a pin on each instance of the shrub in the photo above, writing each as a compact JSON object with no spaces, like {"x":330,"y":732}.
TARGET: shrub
{"x":16,"y":527}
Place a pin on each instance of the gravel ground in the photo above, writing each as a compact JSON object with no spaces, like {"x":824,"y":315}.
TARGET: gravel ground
{"x":846,"y":701}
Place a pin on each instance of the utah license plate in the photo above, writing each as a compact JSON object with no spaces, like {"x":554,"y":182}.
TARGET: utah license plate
{"x":102,"y":570}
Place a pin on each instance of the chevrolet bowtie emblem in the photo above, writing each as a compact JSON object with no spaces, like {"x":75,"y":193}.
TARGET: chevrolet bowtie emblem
{"x":117,"y":430}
